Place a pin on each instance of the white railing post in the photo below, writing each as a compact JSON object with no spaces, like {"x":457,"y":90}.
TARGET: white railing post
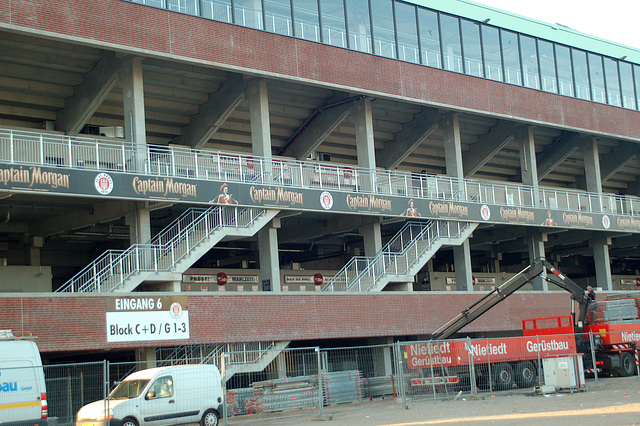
{"x":41,"y":149}
{"x":173,"y":161}
{"x":219,"y":166}
{"x":235,"y":213}
{"x":195,"y":159}
{"x":97,"y":155}
{"x":11,"y":153}
{"x":124,"y":159}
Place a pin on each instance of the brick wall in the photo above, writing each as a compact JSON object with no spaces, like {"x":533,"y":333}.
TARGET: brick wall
{"x":129,"y":26}
{"x":75,"y":323}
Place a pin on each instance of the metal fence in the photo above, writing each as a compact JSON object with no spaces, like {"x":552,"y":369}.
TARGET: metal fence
{"x":263,"y":382}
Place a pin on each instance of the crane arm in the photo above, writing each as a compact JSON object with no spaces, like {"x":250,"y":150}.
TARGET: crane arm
{"x":537,"y":268}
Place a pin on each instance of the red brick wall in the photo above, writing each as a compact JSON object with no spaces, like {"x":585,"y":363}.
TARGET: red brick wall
{"x":75,"y":323}
{"x":132,"y":26}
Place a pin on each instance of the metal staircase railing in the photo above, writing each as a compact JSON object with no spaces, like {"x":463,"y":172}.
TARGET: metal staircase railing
{"x":397,"y":256}
{"x":237,"y":353}
{"x":163,"y":252}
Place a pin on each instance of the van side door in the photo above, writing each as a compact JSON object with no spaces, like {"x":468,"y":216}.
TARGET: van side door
{"x":158,"y":405}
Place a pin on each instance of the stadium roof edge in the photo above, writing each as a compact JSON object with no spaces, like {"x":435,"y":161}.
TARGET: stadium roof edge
{"x":553,"y":32}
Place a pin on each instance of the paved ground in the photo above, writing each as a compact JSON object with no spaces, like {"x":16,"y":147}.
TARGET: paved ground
{"x":611,"y":401}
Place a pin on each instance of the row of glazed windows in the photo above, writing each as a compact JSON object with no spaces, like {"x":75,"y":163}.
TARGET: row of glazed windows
{"x":411,"y":33}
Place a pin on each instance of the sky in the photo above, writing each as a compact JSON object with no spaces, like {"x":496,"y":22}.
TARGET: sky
{"x":618,"y":21}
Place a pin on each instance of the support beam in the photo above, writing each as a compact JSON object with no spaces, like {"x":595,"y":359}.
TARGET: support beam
{"x":214,"y":113}
{"x":68,"y":221}
{"x":407,"y":140}
{"x":623,"y":154}
{"x":315,"y":130}
{"x":557,"y":152}
{"x":89,"y":95}
{"x":488,"y":145}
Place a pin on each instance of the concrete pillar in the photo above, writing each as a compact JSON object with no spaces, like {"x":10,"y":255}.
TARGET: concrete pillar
{"x":139,"y":223}
{"x":134,"y":115}
{"x":35,"y":246}
{"x":261,"y":146}
{"x":528,"y":165}
{"x":453,"y":161}
{"x":372,"y":236}
{"x":599,"y":242}
{"x":535,"y":244}
{"x":367,"y":158}
{"x":382,"y":356}
{"x":268,"y":252}
{"x":146,"y":357}
{"x":600,"y":245}
{"x":281,"y":365}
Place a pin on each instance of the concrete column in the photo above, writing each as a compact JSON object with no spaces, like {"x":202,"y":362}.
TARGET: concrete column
{"x":528,"y":165}
{"x":535,"y":244}
{"x":363,"y":117}
{"x":268,"y":252}
{"x":453,"y":161}
{"x":35,"y":247}
{"x":261,"y":145}
{"x":134,"y":115}
{"x":382,"y":356}
{"x":147,"y":358}
{"x":599,"y":242}
{"x":600,"y":245}
{"x":281,"y":365}
{"x":372,"y":236}
{"x":139,"y":222}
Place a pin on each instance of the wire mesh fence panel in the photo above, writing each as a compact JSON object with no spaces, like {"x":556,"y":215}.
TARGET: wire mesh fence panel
{"x":434,"y":369}
{"x":71,"y":386}
{"x":357,"y":374}
{"x":272,"y":383}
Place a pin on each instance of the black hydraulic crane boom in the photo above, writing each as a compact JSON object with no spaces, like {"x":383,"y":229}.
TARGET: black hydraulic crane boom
{"x":536,"y":269}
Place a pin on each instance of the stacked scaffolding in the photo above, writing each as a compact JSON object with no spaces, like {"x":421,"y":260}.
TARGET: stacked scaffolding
{"x":613,"y":311}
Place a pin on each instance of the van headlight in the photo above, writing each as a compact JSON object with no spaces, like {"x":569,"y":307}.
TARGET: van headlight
{"x":106,"y":415}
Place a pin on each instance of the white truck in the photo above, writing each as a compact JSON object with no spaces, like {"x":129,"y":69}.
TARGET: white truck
{"x":23,"y":396}
{"x":174,"y":395}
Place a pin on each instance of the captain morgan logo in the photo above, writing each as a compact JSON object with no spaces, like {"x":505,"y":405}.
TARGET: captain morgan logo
{"x":103,"y":183}
{"x":326,"y":200}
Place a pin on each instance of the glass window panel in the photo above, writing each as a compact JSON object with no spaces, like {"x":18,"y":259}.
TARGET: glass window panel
{"x":429,"y":38}
{"x":472,"y":49}
{"x":492,"y":53}
{"x":183,"y":6}
{"x":636,"y":76}
{"x":581,"y":74}
{"x":358,"y":25}
{"x":612,"y":81}
{"x":511,"y":56}
{"x":597,"y":78}
{"x":220,"y":10}
{"x":407,"y":29}
{"x":305,"y":13}
{"x":451,"y":51}
{"x":248,"y":13}
{"x":565,"y":70}
{"x":626,"y":81}
{"x":529,"y":62}
{"x":333,"y":23}
{"x":547,"y":66}
{"x":277,"y":17}
{"x":384,"y":38}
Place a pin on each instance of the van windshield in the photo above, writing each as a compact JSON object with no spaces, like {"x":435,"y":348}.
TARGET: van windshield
{"x":128,"y":389}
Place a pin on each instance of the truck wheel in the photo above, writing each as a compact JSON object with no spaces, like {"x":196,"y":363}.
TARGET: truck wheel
{"x":525,"y":374}
{"x":129,"y":421}
{"x":627,"y":365}
{"x":209,"y":418}
{"x":503,"y":376}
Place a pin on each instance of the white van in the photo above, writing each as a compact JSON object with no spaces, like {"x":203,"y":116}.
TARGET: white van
{"x":23,"y":396}
{"x":176,"y":395}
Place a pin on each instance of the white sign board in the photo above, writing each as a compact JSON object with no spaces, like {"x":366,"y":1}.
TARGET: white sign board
{"x":133,"y":319}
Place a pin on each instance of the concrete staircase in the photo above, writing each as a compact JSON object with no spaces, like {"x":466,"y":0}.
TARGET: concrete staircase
{"x":171,"y":252}
{"x":401,"y":259}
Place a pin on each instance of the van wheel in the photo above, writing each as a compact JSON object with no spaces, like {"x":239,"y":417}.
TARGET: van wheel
{"x":129,"y":422}
{"x":209,"y":418}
